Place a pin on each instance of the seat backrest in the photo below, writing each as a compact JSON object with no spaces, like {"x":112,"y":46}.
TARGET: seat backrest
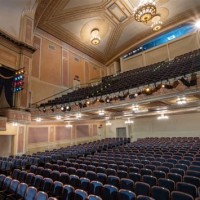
{"x":158,"y":193}
{"x":109,"y":192}
{"x":142,"y":197}
{"x":101,"y":177}
{"x":2,"y":178}
{"x":95,"y":188}
{"x":126,"y":184}
{"x":57,"y":188}
{"x":14,"y":185}
{"x":113,"y":180}
{"x":94,"y":197}
{"x":68,"y":192}
{"x":84,"y":184}
{"x":47,"y":184}
{"x":41,"y":196}
{"x":80,"y":195}
{"x":21,"y":190}
{"x":193,"y":180}
{"x":187,"y":188}
{"x":151,"y":180}
{"x":64,"y":178}
{"x":30,"y":193}
{"x":166,"y":183}
{"x":6,"y":183}
{"x":126,"y":195}
{"x":175,"y":195}
{"x":142,"y":188}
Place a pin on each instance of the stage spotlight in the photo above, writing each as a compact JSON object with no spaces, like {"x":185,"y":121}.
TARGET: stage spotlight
{"x":68,"y":107}
{"x":107,"y":100}
{"x":80,"y":105}
{"x":197,"y":24}
{"x":44,"y":109}
{"x":63,"y":108}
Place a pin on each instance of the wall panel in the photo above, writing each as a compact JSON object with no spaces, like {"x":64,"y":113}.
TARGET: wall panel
{"x":133,"y":63}
{"x":20,"y":147}
{"x":63,"y":133}
{"x":82,"y":131}
{"x":37,"y":135}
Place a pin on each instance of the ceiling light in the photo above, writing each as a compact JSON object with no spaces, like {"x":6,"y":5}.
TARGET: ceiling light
{"x":156,"y":26}
{"x":15,"y":124}
{"x":181,"y":100}
{"x":44,"y":109}
{"x":78,"y":115}
{"x":38,"y":119}
{"x":68,"y":125}
{"x":197,"y":24}
{"x":101,"y":112}
{"x":58,"y":117}
{"x":135,"y":107}
{"x":162,"y":117}
{"x":128,"y":121}
{"x":108,"y":123}
{"x":145,"y":11}
{"x":95,"y":37}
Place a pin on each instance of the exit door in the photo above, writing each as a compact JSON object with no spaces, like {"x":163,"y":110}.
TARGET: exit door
{"x":121,"y":132}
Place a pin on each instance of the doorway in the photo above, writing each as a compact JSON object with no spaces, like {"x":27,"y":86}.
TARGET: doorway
{"x":121,"y":132}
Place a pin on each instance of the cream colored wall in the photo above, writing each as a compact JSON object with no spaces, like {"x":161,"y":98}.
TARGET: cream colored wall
{"x":184,"y":125}
{"x":6,"y":143}
{"x":164,"y":52}
{"x":55,"y":64}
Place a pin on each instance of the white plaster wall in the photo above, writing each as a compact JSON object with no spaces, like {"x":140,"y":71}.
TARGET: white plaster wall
{"x":184,"y":125}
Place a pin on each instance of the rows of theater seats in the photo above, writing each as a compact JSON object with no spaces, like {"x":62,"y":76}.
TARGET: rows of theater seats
{"x":151,"y":168}
{"x":180,"y":66}
{"x":7,"y":164}
{"x":40,"y":158}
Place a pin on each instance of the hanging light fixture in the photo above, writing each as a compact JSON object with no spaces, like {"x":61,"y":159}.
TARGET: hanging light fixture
{"x":181,"y":100}
{"x":58,"y":117}
{"x":101,"y":112}
{"x":38,"y":119}
{"x":135,"y":107}
{"x":95,"y":37}
{"x":163,"y":117}
{"x":108,"y":123}
{"x":78,"y":115}
{"x":156,"y":26}
{"x":128,"y":121}
{"x":145,"y":11}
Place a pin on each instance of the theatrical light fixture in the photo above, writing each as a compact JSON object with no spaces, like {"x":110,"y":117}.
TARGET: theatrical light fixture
{"x":44,"y":109}
{"x":38,"y":119}
{"x":68,"y":107}
{"x":63,"y":108}
{"x":156,"y":26}
{"x":181,"y":100}
{"x":58,"y":117}
{"x":128,"y":121}
{"x":197,"y":24}
{"x":145,"y":11}
{"x":101,"y":112}
{"x":95,"y":37}
{"x":162,"y":117}
{"x":108,"y":123}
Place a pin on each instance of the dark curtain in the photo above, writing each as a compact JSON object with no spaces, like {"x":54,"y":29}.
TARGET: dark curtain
{"x":6,"y":82}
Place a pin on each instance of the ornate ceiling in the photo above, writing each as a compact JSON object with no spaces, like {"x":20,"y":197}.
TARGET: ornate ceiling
{"x":73,"y":20}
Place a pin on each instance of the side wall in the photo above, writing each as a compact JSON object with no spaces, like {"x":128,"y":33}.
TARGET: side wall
{"x":41,"y":137}
{"x":57,"y":66}
{"x":184,"y":125}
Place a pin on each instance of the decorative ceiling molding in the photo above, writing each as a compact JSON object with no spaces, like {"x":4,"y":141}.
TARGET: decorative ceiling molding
{"x":55,"y":16}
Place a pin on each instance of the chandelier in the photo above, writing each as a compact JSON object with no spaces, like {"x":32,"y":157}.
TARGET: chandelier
{"x":95,"y":37}
{"x":156,"y":26}
{"x":145,"y":11}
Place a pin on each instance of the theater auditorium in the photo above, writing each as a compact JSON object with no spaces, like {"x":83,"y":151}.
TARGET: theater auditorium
{"x":100,"y":100}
